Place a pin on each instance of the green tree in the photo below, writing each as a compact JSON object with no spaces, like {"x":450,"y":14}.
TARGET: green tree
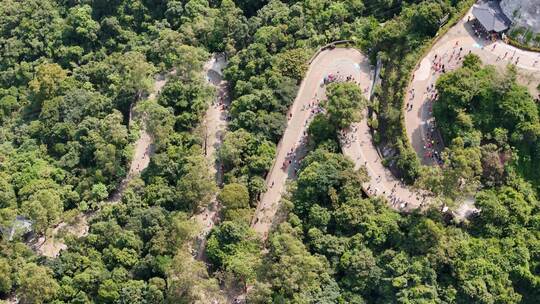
{"x":182,"y":230}
{"x":323,"y":177}
{"x":504,"y":210}
{"x":458,"y":178}
{"x":321,"y":130}
{"x":196,"y":186}
{"x":234,"y":196}
{"x":345,"y":104}
{"x":424,"y":236}
{"x":306,"y":274}
{"x":6,"y":281}
{"x":7,"y":193}
{"x":33,"y":29}
{"x":242,"y":150}
{"x":260,"y":293}
{"x":137,"y":73}
{"x":169,"y":52}
{"x":230,"y":29}
{"x":243,"y":264}
{"x":426,"y":17}
{"x":360,"y":270}
{"x":480,"y":278}
{"x":47,"y":81}
{"x":188,"y":99}
{"x":108,"y":291}
{"x":99,"y":192}
{"x":7,"y":105}
{"x":36,"y":284}
{"x":189,"y":282}
{"x":82,"y":27}
{"x":292,"y":63}
{"x":160,"y":122}
{"x":44,"y":208}
{"x":228,"y":239}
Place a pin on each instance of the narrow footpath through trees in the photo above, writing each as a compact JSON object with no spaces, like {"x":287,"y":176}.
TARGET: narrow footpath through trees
{"x":213,"y":127}
{"x":143,"y":149}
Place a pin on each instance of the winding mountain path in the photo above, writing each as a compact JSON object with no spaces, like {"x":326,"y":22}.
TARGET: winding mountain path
{"x":143,"y":148}
{"x":357,"y":145}
{"x":449,"y":51}
{"x":215,"y":124}
{"x":419,"y":121}
{"x":337,"y":61}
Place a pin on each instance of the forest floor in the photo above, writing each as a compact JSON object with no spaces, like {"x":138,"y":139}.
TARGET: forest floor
{"x":455,"y":44}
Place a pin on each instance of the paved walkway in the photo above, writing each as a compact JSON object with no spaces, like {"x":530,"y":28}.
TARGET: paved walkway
{"x":419,"y":121}
{"x":357,"y":145}
{"x":449,"y":51}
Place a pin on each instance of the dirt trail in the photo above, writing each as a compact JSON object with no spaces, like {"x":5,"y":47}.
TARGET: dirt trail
{"x":214,"y":127}
{"x":51,"y":247}
{"x":213,"y":130}
{"x":143,"y":150}
{"x":215,"y":124}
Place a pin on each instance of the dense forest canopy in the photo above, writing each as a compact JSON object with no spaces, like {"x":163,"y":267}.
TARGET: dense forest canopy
{"x":488,"y":109}
{"x":348,"y":249}
{"x":72,"y":73}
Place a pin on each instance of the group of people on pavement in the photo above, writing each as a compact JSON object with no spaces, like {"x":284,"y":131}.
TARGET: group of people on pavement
{"x":439,"y":65}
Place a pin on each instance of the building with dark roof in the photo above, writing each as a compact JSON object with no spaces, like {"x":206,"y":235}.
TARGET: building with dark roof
{"x":490,"y":15}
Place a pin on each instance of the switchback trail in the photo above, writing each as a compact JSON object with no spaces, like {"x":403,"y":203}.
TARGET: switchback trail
{"x":357,"y":142}
{"x":341,"y":62}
